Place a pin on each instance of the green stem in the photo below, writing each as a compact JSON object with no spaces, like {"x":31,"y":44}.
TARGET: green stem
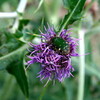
{"x":82,"y":59}
{"x":81,"y":65}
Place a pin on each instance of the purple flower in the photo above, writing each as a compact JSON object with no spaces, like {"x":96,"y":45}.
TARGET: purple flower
{"x":54,"y":54}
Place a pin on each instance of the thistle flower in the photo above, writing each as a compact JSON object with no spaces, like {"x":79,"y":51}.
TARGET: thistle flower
{"x":54,"y":54}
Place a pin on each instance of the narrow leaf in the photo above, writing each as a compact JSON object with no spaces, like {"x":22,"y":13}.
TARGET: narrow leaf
{"x":16,"y":68}
{"x":74,"y":12}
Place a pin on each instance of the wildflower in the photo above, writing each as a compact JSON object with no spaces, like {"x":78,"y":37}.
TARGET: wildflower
{"x":54,"y":54}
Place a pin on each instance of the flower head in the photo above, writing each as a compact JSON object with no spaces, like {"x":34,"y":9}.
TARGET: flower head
{"x":54,"y":54}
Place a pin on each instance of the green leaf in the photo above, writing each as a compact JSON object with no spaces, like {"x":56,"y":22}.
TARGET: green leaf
{"x":9,"y":38}
{"x":16,"y":68}
{"x":10,"y":57}
{"x":71,"y":4}
{"x":74,"y":12}
{"x":10,"y":49}
{"x":26,"y":34}
{"x":23,"y":23}
{"x":18,"y":34}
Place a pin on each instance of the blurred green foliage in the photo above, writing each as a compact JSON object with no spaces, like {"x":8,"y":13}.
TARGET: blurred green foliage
{"x":13,"y":51}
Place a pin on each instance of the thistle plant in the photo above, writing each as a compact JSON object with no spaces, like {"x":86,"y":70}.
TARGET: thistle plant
{"x":54,"y":54}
